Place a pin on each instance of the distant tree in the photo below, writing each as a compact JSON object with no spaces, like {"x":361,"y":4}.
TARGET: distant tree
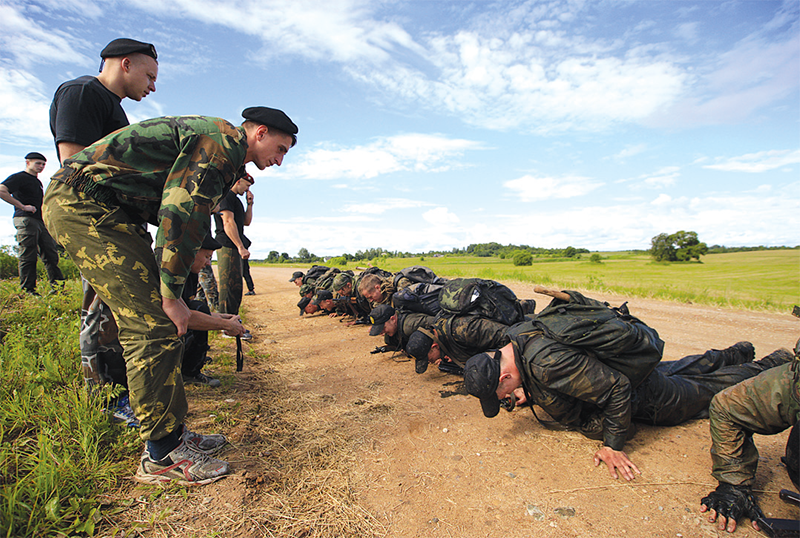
{"x":338,"y":260}
{"x":595,"y":258}
{"x":522,"y":257}
{"x":570,"y":252}
{"x":273,"y":256}
{"x":680,"y":246}
{"x":303,"y":254}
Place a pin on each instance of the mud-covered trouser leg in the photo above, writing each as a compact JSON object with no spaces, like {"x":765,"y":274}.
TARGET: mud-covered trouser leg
{"x":113,"y":253}
{"x":34,"y":242}
{"x":668,"y":400}
{"x":101,"y":353}
{"x":229,"y":264}
{"x":766,"y":404}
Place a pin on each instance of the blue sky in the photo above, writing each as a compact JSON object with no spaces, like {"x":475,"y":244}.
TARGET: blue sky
{"x":435,"y":124}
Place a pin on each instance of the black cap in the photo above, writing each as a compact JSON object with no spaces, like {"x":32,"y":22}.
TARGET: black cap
{"x":124,"y":46}
{"x":271,"y":117}
{"x":303,"y":304}
{"x":378,"y":317}
{"x":418,"y":346}
{"x":34,"y":155}
{"x":296,"y":275}
{"x":321,"y":295}
{"x":481,"y":377}
{"x":209,"y":243}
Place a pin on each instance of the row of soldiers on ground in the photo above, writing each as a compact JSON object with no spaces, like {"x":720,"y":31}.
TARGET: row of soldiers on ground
{"x":590,"y":367}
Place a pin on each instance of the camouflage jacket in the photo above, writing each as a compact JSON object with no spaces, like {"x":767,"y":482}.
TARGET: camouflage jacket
{"x":461,"y":337}
{"x":766,"y":404}
{"x":167,"y":171}
{"x":407,"y":323}
{"x":562,"y":379}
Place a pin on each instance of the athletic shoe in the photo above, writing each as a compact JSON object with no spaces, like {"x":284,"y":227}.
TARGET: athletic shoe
{"x":251,"y":292}
{"x":201,"y":379}
{"x":207,"y":444}
{"x":183,"y":465}
{"x":123,"y":413}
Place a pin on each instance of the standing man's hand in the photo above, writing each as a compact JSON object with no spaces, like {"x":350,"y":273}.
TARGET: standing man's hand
{"x":244,"y":253}
{"x":249,"y":197}
{"x":29,"y":208}
{"x":616,"y":459}
{"x":178,"y":312}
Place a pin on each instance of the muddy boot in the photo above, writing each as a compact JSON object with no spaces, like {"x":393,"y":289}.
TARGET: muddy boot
{"x":739,"y":353}
{"x":776,"y":358}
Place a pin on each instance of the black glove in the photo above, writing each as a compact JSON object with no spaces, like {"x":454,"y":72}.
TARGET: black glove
{"x":733,"y":502}
{"x":379,"y":349}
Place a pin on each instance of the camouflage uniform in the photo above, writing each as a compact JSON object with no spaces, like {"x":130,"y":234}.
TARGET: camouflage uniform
{"x":766,"y":404}
{"x":461,"y":337}
{"x":407,"y":323}
{"x":581,"y":392}
{"x":229,"y":265}
{"x":101,"y":353}
{"x":208,"y":288}
{"x":169,"y":172}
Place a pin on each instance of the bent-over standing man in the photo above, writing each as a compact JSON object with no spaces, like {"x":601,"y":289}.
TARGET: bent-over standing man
{"x":169,"y":172}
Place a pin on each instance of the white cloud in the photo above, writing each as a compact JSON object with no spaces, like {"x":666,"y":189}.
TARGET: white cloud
{"x":383,"y":205}
{"x":758,"y":162}
{"x":630,"y":151}
{"x":531,"y":189}
{"x":408,"y":152}
{"x":25,"y":107}
{"x":440,"y":216}
{"x":662,"y":199}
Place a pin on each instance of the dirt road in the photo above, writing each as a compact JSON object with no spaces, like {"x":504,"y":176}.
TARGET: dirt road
{"x":419,"y":457}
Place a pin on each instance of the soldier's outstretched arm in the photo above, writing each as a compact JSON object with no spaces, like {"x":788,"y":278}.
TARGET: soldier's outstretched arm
{"x":616,"y":460}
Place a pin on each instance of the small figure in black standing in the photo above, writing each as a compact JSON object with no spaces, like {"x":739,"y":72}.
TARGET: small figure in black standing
{"x":24,"y":191}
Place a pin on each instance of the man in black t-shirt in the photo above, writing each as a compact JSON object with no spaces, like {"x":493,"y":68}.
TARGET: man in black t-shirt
{"x":24,"y":191}
{"x":230,"y":221}
{"x":83,"y":111}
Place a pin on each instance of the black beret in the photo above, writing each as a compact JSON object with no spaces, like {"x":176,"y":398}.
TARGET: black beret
{"x":271,"y":117}
{"x":35,"y":155}
{"x":123,"y":46}
{"x":209,"y":243}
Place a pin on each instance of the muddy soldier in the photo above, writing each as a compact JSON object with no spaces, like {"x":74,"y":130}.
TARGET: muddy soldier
{"x":169,"y":172}
{"x":598,"y":392}
{"x":766,"y":405}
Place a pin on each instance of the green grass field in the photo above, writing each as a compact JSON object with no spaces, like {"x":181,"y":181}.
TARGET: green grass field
{"x":759,"y":280}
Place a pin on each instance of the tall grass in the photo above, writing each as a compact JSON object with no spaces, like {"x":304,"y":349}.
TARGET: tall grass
{"x":58,"y":450}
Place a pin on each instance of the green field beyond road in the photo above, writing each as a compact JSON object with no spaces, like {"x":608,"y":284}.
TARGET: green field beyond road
{"x":757,"y":280}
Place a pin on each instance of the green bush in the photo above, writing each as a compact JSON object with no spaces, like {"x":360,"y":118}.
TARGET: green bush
{"x":522,"y":257}
{"x":595,"y":258}
{"x":339,"y":260}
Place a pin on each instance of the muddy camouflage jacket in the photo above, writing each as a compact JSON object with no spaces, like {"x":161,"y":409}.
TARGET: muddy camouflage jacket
{"x":169,"y":172}
{"x":561,"y":379}
{"x":461,"y":337}
{"x":407,"y":323}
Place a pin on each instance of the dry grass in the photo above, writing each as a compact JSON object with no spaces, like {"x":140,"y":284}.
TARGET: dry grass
{"x":293,"y":461}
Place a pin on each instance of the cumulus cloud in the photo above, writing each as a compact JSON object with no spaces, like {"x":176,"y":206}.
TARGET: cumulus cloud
{"x":530,"y":188}
{"x":440,"y":216}
{"x":761,"y":161}
{"x":383,"y":205}
{"x":408,"y":152}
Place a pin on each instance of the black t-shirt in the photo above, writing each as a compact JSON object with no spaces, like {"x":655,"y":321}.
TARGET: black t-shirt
{"x":83,"y":111}
{"x":190,"y":287}
{"x":27,"y":189}
{"x":231,"y":203}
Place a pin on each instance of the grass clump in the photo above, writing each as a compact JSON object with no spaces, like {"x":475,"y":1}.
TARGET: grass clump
{"x":58,"y":450}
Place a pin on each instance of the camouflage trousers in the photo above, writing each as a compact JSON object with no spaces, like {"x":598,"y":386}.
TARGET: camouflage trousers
{"x":229,"y":265}
{"x":766,"y":405}
{"x":207,"y":287}
{"x":113,"y":254}
{"x":101,"y":353}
